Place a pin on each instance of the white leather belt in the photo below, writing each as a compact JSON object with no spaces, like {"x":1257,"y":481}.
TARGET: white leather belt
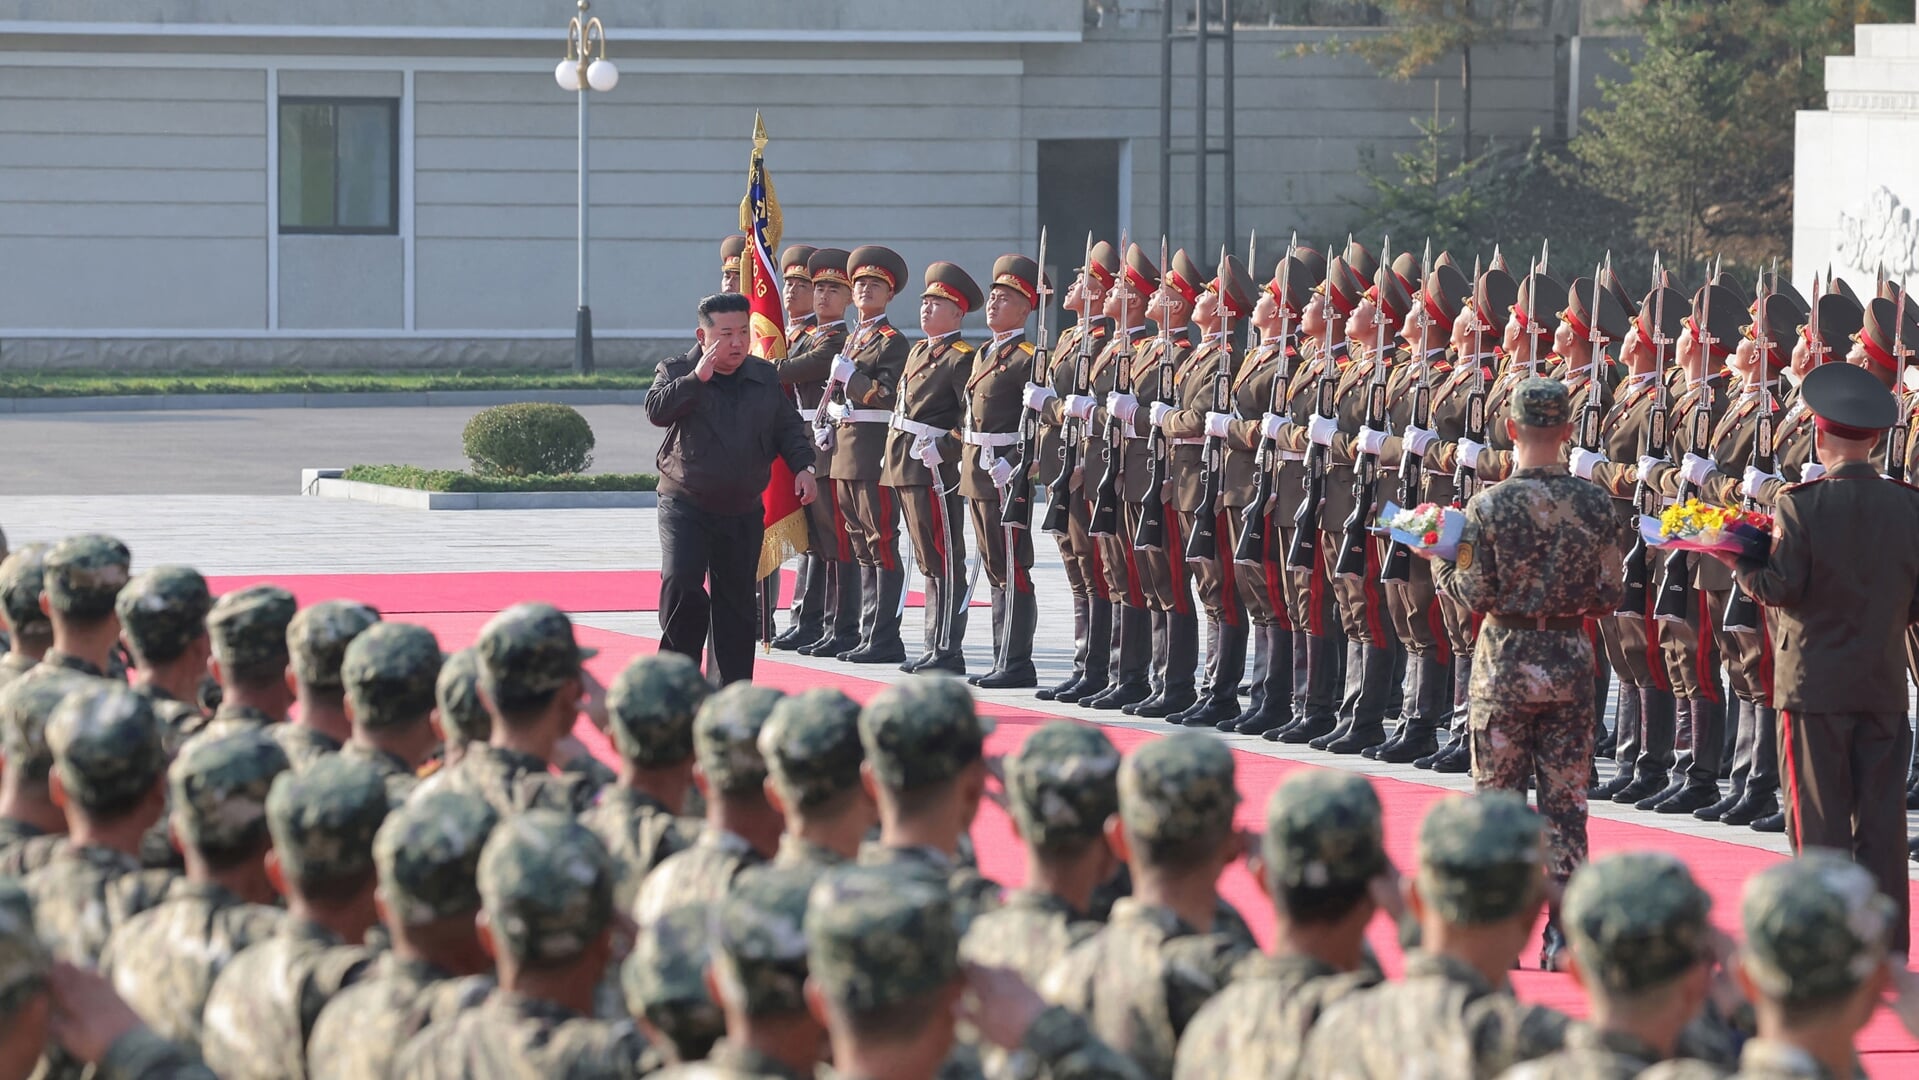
{"x":992,"y":438}
{"x":1288,"y":455}
{"x":867,"y":416}
{"x":913,"y":427}
{"x":1130,"y":434}
{"x":1189,"y":442}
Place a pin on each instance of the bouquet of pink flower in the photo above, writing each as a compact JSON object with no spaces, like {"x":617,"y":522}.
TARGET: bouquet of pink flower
{"x":1428,"y":529}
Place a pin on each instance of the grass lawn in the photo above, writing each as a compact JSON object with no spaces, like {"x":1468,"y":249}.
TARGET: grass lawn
{"x":42,"y":384}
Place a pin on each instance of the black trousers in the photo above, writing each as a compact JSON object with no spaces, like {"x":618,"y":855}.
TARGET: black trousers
{"x":696,"y":547}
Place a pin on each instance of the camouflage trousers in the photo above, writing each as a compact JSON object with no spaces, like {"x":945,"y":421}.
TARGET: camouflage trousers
{"x":1552,"y":743}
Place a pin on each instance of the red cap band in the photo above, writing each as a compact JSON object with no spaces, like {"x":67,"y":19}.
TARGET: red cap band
{"x":1876,"y":354}
{"x":1715,"y":348}
{"x":1845,"y":431}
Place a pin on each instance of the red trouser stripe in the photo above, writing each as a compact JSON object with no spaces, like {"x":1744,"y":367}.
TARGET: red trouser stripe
{"x":1792,"y":778}
{"x":1272,"y":571}
{"x":1763,"y":691}
{"x":1135,"y":595}
{"x":1369,"y":586}
{"x":1228,"y":577}
{"x":1098,"y":583}
{"x":830,"y":491}
{"x":1176,"y":562}
{"x":1655,"y":658}
{"x":939,"y":529}
{"x":1316,"y":594}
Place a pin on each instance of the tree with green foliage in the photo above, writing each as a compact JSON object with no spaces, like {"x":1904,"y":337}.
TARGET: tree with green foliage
{"x":1420,"y":33}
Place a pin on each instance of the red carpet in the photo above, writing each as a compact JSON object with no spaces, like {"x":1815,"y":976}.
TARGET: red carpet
{"x":569,"y":590}
{"x":1721,"y":867}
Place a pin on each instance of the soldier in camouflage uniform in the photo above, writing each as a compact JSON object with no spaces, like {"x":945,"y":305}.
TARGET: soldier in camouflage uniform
{"x":650,"y":708}
{"x":1141,"y":979}
{"x":919,"y":738}
{"x":742,"y":828}
{"x":531,"y":681}
{"x":1539,"y":556}
{"x":109,"y":763}
{"x":263,"y":1006}
{"x":249,"y":632}
{"x":811,"y":745}
{"x":427,"y":854}
{"x":546,"y":893}
{"x":1643,"y":947}
{"x":317,"y":641}
{"x":163,"y":619}
{"x":884,"y":973}
{"x":462,"y":715}
{"x":164,"y":960}
{"x":664,"y":984}
{"x":1814,"y":963}
{"x":389,"y":674}
{"x":1477,"y":892}
{"x":81,"y":577}
{"x":1323,"y":862}
{"x":29,"y":631}
{"x":32,"y":825}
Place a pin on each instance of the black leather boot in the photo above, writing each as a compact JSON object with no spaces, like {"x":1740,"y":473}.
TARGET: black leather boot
{"x":842,"y":616}
{"x":1081,"y":608}
{"x":1276,"y":701}
{"x":1177,"y":690}
{"x":1157,"y":706}
{"x":1604,"y":738}
{"x":1130,"y":685}
{"x":1377,"y":689}
{"x":1016,"y":647}
{"x":1324,"y":676}
{"x":1099,"y":653}
{"x":809,"y":605}
{"x":931,"y":630}
{"x":1431,"y":698}
{"x":1219,"y":701}
{"x":884,"y":645}
{"x":1260,"y":645}
{"x":1179,"y":715}
{"x":949,"y":655}
{"x":1349,"y":699}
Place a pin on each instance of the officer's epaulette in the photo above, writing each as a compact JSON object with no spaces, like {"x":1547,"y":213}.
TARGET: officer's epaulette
{"x":889,"y":331}
{"x":1026,"y":347}
{"x":429,"y":767}
{"x":962,"y":347}
{"x":1099,"y":330}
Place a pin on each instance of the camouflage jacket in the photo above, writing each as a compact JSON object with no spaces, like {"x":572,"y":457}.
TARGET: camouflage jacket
{"x":1763,"y":1059}
{"x":70,"y":900}
{"x":360,"y":1033}
{"x":1030,"y":933}
{"x":178,"y":718}
{"x":1141,"y":979}
{"x":263,"y":1006}
{"x":142,"y":1055}
{"x":639,"y":832}
{"x":510,"y":781}
{"x":164,"y":960}
{"x":24,"y":849}
{"x":510,"y":1037}
{"x":400,"y":780}
{"x":1592,"y":1054}
{"x":303,"y":745}
{"x":1442,"y":1014}
{"x":731,"y":1061}
{"x":1256,"y":1026}
{"x":13,"y":665}
{"x":699,"y":875}
{"x":973,"y":894}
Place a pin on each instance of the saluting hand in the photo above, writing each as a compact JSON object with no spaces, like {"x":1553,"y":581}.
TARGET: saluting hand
{"x":806,"y":487}
{"x":706,"y":368}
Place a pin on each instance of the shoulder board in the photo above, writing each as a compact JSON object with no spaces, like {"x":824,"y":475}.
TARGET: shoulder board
{"x":962,"y":347}
{"x":888,"y":331}
{"x":1027,"y":348}
{"x":1099,"y":330}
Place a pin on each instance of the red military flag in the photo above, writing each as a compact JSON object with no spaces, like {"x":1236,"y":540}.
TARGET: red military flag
{"x":784,"y":517}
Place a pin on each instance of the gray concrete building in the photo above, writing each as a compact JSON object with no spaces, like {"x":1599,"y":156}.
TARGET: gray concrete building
{"x":364,"y":183}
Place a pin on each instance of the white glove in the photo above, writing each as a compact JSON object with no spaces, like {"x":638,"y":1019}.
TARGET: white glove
{"x":1000,"y":472}
{"x":1037,"y":396}
{"x":1648,"y":464}
{"x":929,"y":454}
{"x":1696,"y":468}
{"x":1273,"y":424}
{"x":837,"y":411}
{"x":823,"y":438}
{"x":842,"y":370}
{"x":1123,"y":406}
{"x":1469,"y":452}
{"x":1371,"y":441}
{"x":1755,"y":479}
{"x":1418,"y":440}
{"x":1813,"y":471}
{"x":1322,"y":429}
{"x":1160,"y":411}
{"x":1583,"y":462}
{"x":1080,"y":406}
{"x":1216,"y":424}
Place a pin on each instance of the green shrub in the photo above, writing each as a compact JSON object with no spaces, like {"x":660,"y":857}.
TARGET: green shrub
{"x":412,"y":476}
{"x":527,"y":439}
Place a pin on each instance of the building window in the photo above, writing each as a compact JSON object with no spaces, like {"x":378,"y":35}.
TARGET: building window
{"x":339,"y":165}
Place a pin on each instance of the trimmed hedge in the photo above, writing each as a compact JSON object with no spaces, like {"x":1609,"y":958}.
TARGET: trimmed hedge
{"x":531,"y":438}
{"x":452,"y":480}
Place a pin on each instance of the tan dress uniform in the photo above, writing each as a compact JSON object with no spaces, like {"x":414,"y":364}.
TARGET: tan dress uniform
{"x":1260,"y":585}
{"x":1092,"y":604}
{"x":1131,"y":646}
{"x":994,"y":411}
{"x":831,"y":574}
{"x":930,"y":406}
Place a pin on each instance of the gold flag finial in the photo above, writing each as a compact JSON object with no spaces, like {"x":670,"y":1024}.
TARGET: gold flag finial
{"x":759,"y":133}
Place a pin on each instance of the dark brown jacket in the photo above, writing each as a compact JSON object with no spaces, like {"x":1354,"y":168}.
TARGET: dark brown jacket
{"x":722,"y":435}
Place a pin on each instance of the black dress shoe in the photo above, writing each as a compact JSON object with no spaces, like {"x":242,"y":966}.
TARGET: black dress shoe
{"x":1408,"y":749}
{"x":952,"y":665}
{"x":1718,"y":810}
{"x":1357,"y":739}
{"x":1750,"y":808}
{"x":1688,"y":799}
{"x":1210,"y":713}
{"x":867,"y":654}
{"x":1306,"y":730}
{"x":1372,"y":753}
{"x":1052,"y":693}
{"x":1673,"y":787}
{"x":1455,"y":759}
{"x":1120,"y":695}
{"x":914,"y":664}
{"x":1258,"y":723}
{"x":1612,"y":787}
{"x":831,"y":646}
{"x":1007,"y":680}
{"x":1640,"y":788}
{"x":1082,"y":689}
{"x":1773,"y":823}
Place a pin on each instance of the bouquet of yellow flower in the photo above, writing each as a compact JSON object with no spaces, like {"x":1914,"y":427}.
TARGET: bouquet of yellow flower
{"x":1697,"y":526}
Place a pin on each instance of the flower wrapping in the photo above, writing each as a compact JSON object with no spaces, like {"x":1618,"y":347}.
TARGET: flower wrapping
{"x":1697,"y":526}
{"x":1428,"y":529}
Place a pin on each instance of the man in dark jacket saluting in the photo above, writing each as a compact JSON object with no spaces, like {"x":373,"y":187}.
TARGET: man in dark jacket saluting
{"x":726,"y":420}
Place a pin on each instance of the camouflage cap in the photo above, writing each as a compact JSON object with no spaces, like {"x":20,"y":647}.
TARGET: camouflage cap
{"x":759,"y":943}
{"x":1177,"y":790}
{"x":547,"y":886}
{"x":1636,"y":920}
{"x":1540,"y":402}
{"x":1481,"y":857}
{"x":323,"y":819}
{"x":389,"y":673}
{"x":428,"y":855}
{"x":318,"y":637}
{"x":652,"y":705}
{"x":249,"y":628}
{"x":811,"y":746}
{"x":1323,"y":830}
{"x":726,"y":736}
{"x":218,"y":787}
{"x":463,"y":716}
{"x":874,"y":938}
{"x":526,"y":653}
{"x":83,"y":575}
{"x":163,"y":611}
{"x":1816,"y":928}
{"x":668,"y":964}
{"x":106,"y":745}
{"x":23,"y":959}
{"x":26,"y":704}
{"x":922,"y":732}
{"x":1063,"y":783}
{"x":22,"y":575}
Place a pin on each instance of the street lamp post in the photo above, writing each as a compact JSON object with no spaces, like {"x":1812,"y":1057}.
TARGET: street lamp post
{"x":584,"y":68}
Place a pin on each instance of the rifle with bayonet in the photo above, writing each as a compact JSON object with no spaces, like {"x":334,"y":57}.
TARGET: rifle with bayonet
{"x":1305,"y":546}
{"x":1150,"y":535}
{"x":1202,"y":542}
{"x":1412,"y":467}
{"x":1058,"y":511}
{"x":1742,"y":613}
{"x":1254,"y":534}
{"x":1466,"y":480}
{"x":1357,"y":536}
{"x":1900,"y":436}
{"x":1675,"y":591}
{"x":1104,"y":517}
{"x":1016,"y":508}
{"x":1638,"y":569}
{"x":1592,"y":415}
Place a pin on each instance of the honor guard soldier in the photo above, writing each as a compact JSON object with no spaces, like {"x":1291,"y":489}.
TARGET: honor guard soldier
{"x":920,"y":467}
{"x":1530,"y":330}
{"x":796,"y":294}
{"x":732,"y":260}
{"x":995,"y":399}
{"x":1063,"y":471}
{"x":1105,"y":467}
{"x":828,"y":589}
{"x":1826,"y":337}
{"x":1155,"y":457}
{"x":863,"y":383}
{"x":1838,"y":609}
{"x":1539,"y":555}
{"x":1203,"y":417}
